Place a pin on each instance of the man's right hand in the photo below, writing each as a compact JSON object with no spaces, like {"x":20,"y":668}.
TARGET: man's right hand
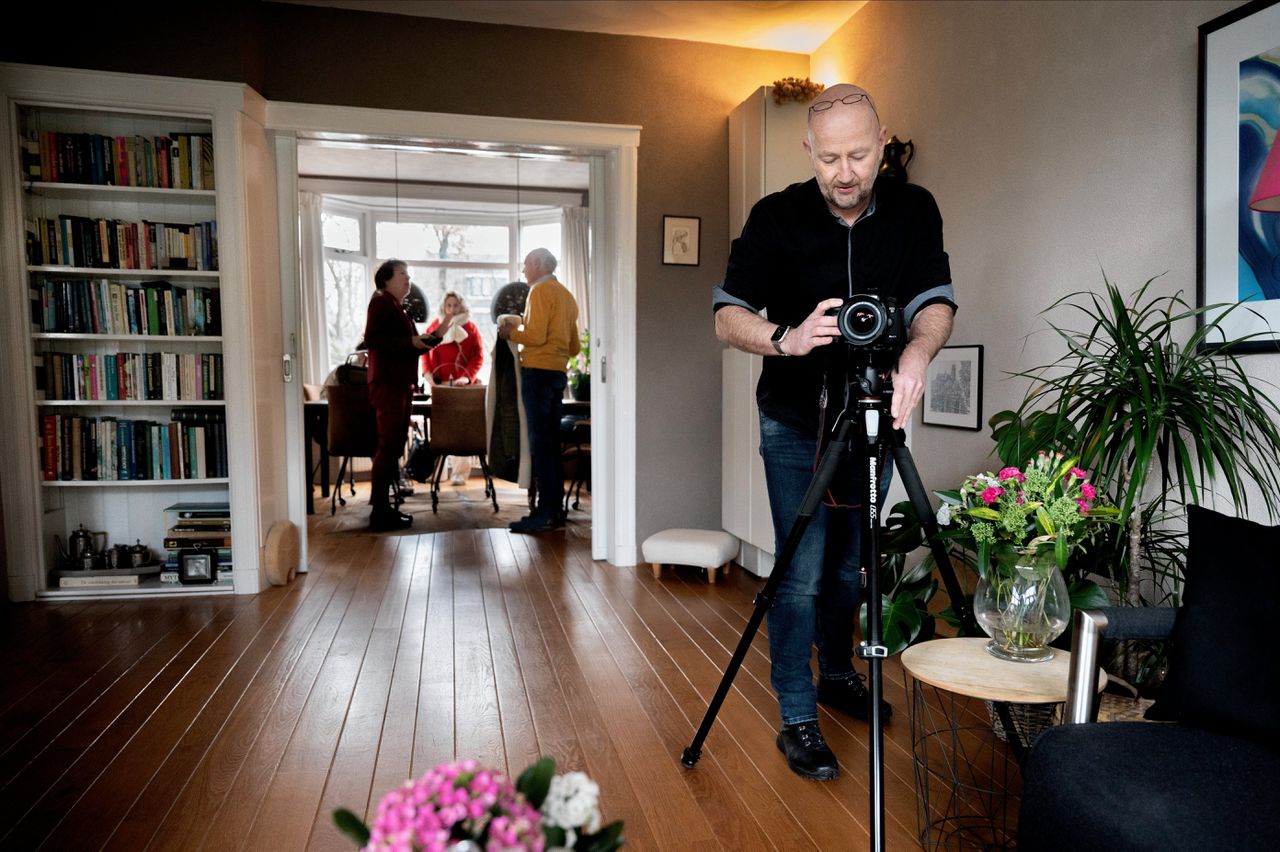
{"x":818,"y":329}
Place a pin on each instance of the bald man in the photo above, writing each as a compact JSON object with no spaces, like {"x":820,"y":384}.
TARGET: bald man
{"x":802,"y":251}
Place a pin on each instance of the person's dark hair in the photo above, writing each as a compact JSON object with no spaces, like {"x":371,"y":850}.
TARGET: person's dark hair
{"x":385,"y":271}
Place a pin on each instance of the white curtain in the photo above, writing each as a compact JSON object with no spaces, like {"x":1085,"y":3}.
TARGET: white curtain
{"x":315,"y":332}
{"x":575,"y":241}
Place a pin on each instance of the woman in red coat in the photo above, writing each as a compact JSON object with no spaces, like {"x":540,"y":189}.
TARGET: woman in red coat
{"x":456,"y":360}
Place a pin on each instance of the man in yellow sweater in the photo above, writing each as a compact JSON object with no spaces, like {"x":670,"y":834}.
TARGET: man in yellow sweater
{"x":548,"y":338}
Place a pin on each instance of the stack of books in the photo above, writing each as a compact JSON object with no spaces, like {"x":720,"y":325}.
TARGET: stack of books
{"x":197,"y":526}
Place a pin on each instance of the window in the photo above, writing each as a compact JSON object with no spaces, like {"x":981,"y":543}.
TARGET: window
{"x":472,"y":259}
{"x":541,"y":235}
{"x":472,"y":254}
{"x":347,"y":281}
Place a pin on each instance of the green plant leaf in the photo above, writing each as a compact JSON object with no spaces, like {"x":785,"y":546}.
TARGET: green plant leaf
{"x":900,"y":621}
{"x":535,"y":781}
{"x":554,"y":835}
{"x":1086,"y":594}
{"x":606,"y":839}
{"x":351,"y":826}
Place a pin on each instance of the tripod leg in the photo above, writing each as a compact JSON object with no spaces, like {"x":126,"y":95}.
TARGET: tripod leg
{"x":929,"y":523}
{"x":835,"y":453}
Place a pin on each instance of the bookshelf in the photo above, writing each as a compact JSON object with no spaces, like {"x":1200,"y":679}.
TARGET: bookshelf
{"x":116,"y":355}
{"x":134,"y":350}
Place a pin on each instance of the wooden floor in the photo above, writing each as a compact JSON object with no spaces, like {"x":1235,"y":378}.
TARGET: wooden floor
{"x":241,"y":722}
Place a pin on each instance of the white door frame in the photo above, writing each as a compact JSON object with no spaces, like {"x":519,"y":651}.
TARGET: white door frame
{"x":612,"y":153}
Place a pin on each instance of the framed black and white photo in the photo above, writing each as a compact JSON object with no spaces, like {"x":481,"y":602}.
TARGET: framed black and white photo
{"x":953,"y":388}
{"x":1239,"y":172}
{"x":680,"y":240}
{"x":197,"y":567}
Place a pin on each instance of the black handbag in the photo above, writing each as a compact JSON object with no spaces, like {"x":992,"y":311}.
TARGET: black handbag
{"x":351,"y":373}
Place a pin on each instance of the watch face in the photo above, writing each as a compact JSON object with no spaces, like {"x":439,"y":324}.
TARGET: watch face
{"x":779,"y":333}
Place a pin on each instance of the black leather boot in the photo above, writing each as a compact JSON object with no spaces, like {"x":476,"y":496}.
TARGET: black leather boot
{"x":851,"y":696}
{"x":807,"y":752}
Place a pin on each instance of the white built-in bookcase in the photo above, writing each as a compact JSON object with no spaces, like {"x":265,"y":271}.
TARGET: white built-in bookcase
{"x":36,"y":509}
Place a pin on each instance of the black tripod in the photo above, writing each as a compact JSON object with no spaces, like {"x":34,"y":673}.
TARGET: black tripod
{"x":873,"y":395}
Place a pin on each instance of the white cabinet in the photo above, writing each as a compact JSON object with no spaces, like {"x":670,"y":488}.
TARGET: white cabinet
{"x":86,"y":256}
{"x":766,"y":154}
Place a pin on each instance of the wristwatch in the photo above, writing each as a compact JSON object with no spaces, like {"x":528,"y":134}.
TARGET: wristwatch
{"x":777,"y":338}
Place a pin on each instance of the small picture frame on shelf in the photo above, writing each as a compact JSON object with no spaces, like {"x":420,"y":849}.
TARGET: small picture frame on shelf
{"x":953,"y":388}
{"x":197,"y":567}
{"x":680,"y":235}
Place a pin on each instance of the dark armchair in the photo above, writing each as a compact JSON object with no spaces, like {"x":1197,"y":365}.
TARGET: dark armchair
{"x":1205,"y":778}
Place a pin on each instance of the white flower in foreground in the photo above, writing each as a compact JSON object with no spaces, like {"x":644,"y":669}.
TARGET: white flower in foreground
{"x":572,"y":803}
{"x":944,"y":514}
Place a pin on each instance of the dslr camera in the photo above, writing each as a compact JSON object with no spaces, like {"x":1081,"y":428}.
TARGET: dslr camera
{"x":869,"y":322}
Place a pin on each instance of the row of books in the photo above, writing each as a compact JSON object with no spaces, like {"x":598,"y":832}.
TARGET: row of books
{"x":102,"y":306}
{"x":117,"y":244}
{"x":176,"y":161}
{"x":130,"y":376}
{"x":193,"y":445}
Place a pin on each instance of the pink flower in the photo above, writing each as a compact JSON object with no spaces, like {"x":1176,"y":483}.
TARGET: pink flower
{"x":1084,"y":507}
{"x":991,"y":495}
{"x":1011,"y":473}
{"x":1088,"y":491}
{"x":1078,"y":473}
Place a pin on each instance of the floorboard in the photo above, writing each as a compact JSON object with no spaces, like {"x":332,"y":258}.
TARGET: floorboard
{"x":241,"y":723}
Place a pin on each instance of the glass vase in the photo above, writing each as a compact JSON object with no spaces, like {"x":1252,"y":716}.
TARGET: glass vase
{"x":1022,"y":604}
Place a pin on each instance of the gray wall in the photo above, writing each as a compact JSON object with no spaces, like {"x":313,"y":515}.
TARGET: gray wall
{"x":1060,"y":141}
{"x":679,"y":92}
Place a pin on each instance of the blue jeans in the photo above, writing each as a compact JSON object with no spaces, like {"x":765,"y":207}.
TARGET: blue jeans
{"x":543,"y":393}
{"x":817,"y":598}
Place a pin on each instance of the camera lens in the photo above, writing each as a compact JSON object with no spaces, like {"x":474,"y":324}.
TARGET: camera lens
{"x":861,"y":321}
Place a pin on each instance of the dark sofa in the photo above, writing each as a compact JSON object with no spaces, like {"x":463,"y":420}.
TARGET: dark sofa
{"x":1206,"y":777}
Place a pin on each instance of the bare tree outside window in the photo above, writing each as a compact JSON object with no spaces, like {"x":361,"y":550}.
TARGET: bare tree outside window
{"x":346,"y":301}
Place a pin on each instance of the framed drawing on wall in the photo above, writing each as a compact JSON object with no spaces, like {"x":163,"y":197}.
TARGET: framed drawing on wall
{"x":953,"y":388}
{"x":680,"y":240}
{"x":1238,"y":197}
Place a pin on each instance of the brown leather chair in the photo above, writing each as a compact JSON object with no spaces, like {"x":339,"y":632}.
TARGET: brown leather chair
{"x":353,"y":432}
{"x":458,"y":429}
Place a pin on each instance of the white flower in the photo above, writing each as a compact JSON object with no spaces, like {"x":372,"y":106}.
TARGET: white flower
{"x":573,"y":802}
{"x":944,"y":514}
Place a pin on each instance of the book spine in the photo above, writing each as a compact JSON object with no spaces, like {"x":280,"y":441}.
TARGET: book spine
{"x":101,"y":581}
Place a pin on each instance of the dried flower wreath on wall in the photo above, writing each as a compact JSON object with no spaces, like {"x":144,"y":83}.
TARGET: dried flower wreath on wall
{"x":795,"y":89}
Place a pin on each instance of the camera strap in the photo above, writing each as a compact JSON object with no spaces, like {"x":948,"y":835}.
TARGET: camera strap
{"x":840,"y":493}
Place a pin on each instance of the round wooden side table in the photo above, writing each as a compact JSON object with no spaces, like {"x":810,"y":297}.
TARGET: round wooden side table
{"x":967,"y":756}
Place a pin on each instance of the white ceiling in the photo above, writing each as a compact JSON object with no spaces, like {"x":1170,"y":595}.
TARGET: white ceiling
{"x":435,"y":180}
{"x":795,"y":26}
{"x":434,"y":167}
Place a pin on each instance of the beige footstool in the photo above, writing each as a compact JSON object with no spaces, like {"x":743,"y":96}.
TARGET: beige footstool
{"x":709,"y":549}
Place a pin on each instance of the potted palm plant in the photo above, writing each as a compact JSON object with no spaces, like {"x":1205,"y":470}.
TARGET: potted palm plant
{"x":1156,"y":422}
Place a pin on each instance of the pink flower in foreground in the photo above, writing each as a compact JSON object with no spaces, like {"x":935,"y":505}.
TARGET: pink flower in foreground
{"x":1084,"y":507}
{"x":1088,"y":491}
{"x":991,"y":495}
{"x":1011,"y":473}
{"x":1078,"y":473}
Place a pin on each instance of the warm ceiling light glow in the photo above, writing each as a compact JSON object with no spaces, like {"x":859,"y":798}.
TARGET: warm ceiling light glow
{"x":824,"y":71}
{"x":792,"y":38}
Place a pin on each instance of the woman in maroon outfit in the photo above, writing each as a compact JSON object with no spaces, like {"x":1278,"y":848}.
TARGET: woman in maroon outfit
{"x":394,"y":345}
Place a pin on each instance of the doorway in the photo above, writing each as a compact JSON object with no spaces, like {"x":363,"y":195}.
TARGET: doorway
{"x":608,"y":154}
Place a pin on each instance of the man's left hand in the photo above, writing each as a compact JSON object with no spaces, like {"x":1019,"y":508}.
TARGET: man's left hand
{"x":908,"y":385}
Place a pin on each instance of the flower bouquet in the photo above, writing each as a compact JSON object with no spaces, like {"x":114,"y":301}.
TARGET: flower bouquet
{"x":461,"y":806}
{"x":1022,"y":524}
